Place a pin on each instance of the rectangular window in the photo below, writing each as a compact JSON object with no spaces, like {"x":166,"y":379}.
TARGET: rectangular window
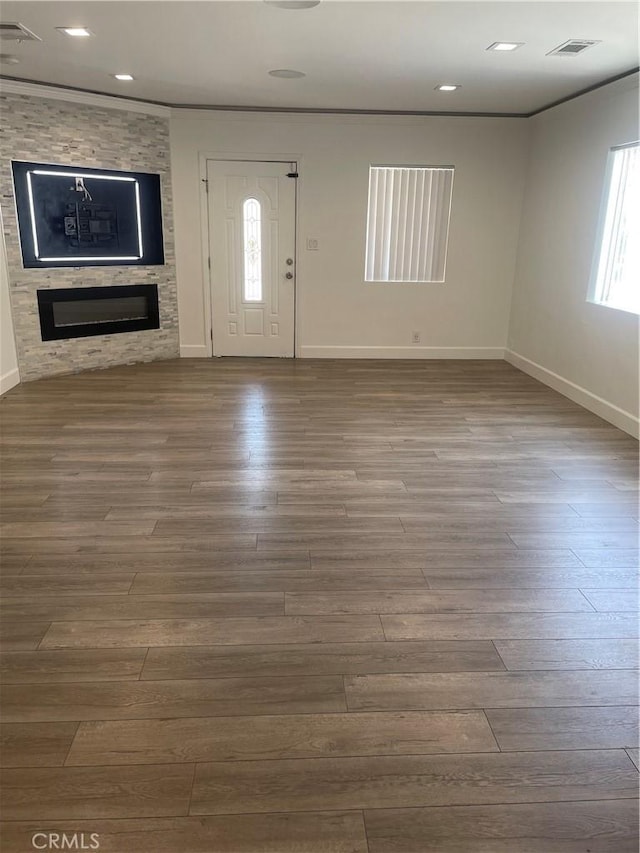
{"x":408,"y":223}
{"x":616,"y":268}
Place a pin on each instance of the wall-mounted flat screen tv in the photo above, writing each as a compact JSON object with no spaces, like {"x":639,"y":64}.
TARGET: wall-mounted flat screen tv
{"x":75,"y":217}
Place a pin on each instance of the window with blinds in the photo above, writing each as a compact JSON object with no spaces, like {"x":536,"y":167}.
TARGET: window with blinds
{"x":408,"y":223}
{"x":616,"y":270}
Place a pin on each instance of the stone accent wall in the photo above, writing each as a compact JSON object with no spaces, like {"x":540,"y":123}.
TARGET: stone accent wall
{"x":68,"y":134}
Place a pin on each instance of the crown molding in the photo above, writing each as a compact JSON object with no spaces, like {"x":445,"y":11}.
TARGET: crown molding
{"x":19,"y":86}
{"x":610,"y":80}
{"x":12,"y":86}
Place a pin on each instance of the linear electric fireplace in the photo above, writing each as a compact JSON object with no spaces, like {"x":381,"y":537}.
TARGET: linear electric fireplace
{"x":79,"y":312}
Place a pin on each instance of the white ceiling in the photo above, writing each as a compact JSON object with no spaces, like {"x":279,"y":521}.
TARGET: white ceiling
{"x":357,"y":55}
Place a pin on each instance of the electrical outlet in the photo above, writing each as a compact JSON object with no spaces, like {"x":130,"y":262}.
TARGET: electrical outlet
{"x":312,"y":244}
{"x":415,"y":337}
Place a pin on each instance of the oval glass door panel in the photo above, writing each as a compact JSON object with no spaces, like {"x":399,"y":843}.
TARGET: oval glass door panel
{"x":252,"y":250}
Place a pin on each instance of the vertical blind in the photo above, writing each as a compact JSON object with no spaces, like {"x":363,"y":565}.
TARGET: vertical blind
{"x":408,"y":223}
{"x":618,"y":269}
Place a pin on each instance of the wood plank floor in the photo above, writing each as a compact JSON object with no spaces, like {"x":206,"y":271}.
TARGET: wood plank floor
{"x":263,"y":606}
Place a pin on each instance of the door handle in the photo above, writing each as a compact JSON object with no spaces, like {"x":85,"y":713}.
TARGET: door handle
{"x":288,"y":275}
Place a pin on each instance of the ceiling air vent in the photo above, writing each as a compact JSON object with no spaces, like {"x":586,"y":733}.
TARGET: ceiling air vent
{"x":16,"y":32}
{"x":572,"y":47}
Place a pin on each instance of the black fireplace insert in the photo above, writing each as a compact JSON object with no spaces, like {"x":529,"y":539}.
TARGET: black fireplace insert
{"x":79,"y":312}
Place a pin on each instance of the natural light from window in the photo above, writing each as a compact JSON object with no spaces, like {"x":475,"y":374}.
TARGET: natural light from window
{"x":616,"y":270}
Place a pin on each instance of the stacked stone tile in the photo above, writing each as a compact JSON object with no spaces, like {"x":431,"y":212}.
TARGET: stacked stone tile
{"x":68,"y":134}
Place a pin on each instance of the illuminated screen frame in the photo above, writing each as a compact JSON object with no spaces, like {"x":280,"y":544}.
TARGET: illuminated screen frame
{"x":148,"y":213}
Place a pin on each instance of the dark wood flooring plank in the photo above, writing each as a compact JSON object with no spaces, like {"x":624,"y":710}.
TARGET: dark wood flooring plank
{"x":293,"y":493}
{"x":89,"y":607}
{"x":598,"y":510}
{"x":610,"y":600}
{"x":157,"y":492}
{"x":413,"y":691}
{"x":558,"y":578}
{"x":412,"y":506}
{"x":88,"y":512}
{"x":87,"y":792}
{"x":524,"y":525}
{"x":566,"y":493}
{"x":130,"y":700}
{"x":61,"y":666}
{"x":38,"y":585}
{"x":274,"y":526}
{"x":584,"y":539}
{"x":35,"y":744}
{"x":399,"y":782}
{"x":319,"y":659}
{"x":21,"y":635}
{"x":386,"y":541}
{"x":438,"y":558}
{"x":314,"y":832}
{"x":568,"y":654}
{"x":160,"y":561}
{"x":112,"y":544}
{"x":634,"y":755}
{"x":13,"y":565}
{"x":605,"y":826}
{"x":180,"y":583}
{"x":71,"y":529}
{"x":278,"y":737}
{"x":381,"y":558}
{"x":564,"y":728}
{"x":526,"y":626}
{"x":447,"y":601}
{"x":309,"y":477}
{"x":600,"y":558}
{"x":503,"y":558}
{"x":204,"y":632}
{"x":16,"y":494}
{"x":212,"y":509}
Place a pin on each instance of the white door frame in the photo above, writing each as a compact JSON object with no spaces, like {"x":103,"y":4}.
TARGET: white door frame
{"x":203,"y":158}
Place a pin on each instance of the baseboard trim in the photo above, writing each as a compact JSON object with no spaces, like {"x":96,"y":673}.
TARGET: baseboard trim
{"x":9,"y":380}
{"x":416,"y":352}
{"x":194,"y":351}
{"x":603,"y":408}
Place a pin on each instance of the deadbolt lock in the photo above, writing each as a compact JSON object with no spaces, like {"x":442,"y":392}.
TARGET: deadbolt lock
{"x":289,"y":261}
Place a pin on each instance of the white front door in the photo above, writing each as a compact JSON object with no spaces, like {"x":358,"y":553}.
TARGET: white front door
{"x":252,"y":246}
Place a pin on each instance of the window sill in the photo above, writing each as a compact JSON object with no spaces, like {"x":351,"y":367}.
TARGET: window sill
{"x":633,"y":311}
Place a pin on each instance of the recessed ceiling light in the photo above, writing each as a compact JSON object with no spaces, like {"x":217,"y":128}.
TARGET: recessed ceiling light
{"x":287,"y":73}
{"x":76,"y":32}
{"x":293,"y":4}
{"x":123,"y":76}
{"x":448,"y":87}
{"x":505,"y":45}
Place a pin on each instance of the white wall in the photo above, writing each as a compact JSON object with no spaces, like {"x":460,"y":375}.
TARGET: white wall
{"x":338,"y":313}
{"x":9,"y":375}
{"x":586,"y":351}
